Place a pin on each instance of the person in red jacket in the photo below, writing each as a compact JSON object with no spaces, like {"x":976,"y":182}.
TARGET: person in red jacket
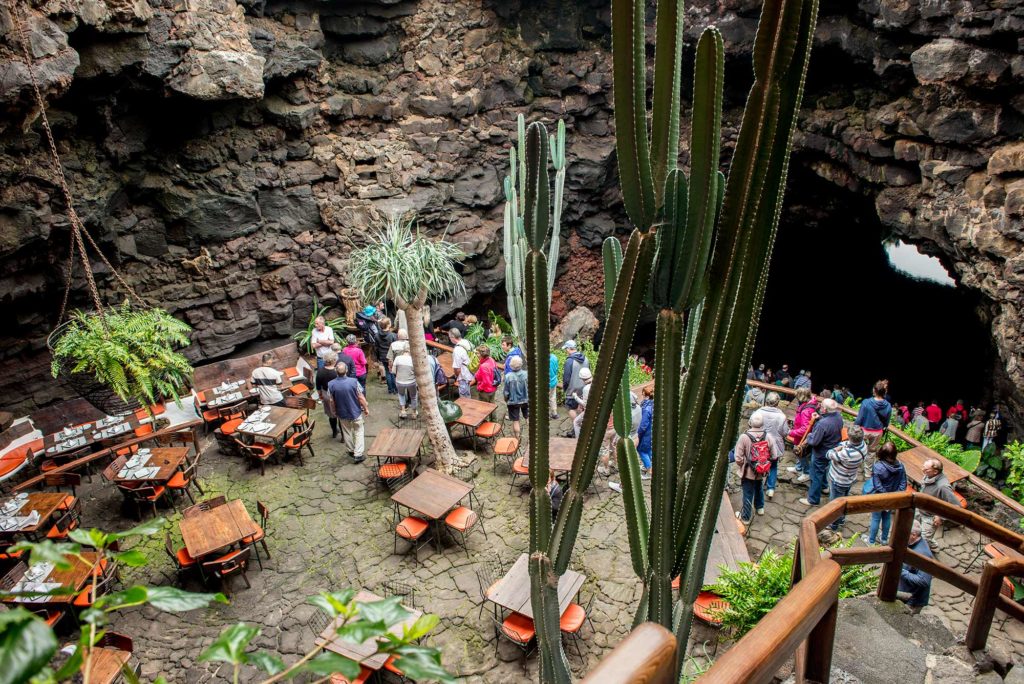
{"x":485,"y":376}
{"x":934,"y":415}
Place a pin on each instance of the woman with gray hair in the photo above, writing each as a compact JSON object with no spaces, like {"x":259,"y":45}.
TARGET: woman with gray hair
{"x":750,"y":444}
{"x":355,"y":352}
{"x":516,"y":390}
{"x":776,"y":426}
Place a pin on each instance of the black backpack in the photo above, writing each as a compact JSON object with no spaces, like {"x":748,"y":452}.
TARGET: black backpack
{"x":498,"y":377}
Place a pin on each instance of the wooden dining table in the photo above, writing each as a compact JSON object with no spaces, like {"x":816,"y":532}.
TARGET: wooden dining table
{"x":364,"y":653}
{"x":513,"y":590}
{"x":75,"y":576}
{"x":560,"y":454}
{"x":474,"y":413}
{"x":106,"y":664}
{"x":282,"y":419}
{"x":397,"y":443}
{"x":54,"y":443}
{"x":168,"y":460}
{"x":46,"y":503}
{"x":432,"y":494}
{"x":207,"y":531}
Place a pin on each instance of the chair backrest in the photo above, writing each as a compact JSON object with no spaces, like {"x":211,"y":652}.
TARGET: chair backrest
{"x":144,"y":429}
{"x":214,"y":502}
{"x":300,"y":403}
{"x":464,"y":472}
{"x":116,"y":641}
{"x":230,"y":564}
{"x":302,"y":438}
{"x":72,"y":480}
{"x":406,"y":591}
{"x":396,"y":483}
{"x":76,"y":454}
{"x":236,"y":410}
{"x":489,"y":571}
{"x":264,"y":512}
{"x":168,"y":544}
{"x":13,"y":576}
{"x":115,"y":466}
{"x":64,"y":523}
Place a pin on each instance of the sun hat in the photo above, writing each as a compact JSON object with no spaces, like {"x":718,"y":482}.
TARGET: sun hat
{"x":585,"y":374}
{"x":369,"y":310}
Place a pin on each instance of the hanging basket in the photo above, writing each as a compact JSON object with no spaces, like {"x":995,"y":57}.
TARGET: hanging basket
{"x":85,"y":385}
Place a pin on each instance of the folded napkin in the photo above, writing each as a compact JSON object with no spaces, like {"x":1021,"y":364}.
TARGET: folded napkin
{"x":18,"y":522}
{"x":138,"y":473}
{"x":138,"y":460}
{"x":38,"y":572}
{"x":36,"y":590}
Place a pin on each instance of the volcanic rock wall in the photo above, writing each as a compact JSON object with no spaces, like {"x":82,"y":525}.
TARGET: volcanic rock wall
{"x":230,"y":155}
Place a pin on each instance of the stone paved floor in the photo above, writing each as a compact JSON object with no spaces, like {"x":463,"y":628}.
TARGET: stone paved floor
{"x":331,"y":528}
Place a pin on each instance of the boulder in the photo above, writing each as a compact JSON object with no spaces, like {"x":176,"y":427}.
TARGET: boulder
{"x":478,"y":186}
{"x":1007,"y":159}
{"x":579,"y":324}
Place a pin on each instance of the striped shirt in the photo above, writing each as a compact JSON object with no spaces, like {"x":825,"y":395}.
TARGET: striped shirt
{"x":266,"y":379}
{"x":846,"y":460}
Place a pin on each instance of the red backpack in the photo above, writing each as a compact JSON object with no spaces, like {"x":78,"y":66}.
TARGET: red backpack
{"x":760,"y":454}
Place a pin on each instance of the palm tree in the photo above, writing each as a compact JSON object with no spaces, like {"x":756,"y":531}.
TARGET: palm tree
{"x":406,"y":266}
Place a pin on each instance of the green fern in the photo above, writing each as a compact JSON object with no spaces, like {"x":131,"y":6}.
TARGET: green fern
{"x":130,"y":351}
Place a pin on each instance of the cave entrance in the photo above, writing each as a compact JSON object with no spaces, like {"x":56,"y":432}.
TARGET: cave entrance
{"x":840,"y":302}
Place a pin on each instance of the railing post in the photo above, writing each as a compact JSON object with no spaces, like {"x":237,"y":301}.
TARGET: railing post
{"x":814,"y":663}
{"x":898,"y":538}
{"x":984,"y":607}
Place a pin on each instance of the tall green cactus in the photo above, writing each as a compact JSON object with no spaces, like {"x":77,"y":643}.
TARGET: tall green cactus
{"x":698,"y":251}
{"x":515,"y":242}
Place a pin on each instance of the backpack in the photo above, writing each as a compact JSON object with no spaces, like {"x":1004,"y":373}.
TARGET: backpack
{"x":498,"y":377}
{"x":474,"y":361}
{"x":439,"y":376}
{"x":760,"y":454}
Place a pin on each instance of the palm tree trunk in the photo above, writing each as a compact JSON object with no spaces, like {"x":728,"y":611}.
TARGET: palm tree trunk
{"x":437,"y":431}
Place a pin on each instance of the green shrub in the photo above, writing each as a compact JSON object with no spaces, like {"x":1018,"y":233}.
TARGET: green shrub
{"x":753,"y":589}
{"x":1013,"y":453}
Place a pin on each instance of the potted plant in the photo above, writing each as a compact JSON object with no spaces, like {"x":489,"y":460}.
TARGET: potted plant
{"x":122,"y":358}
{"x":350,"y":300}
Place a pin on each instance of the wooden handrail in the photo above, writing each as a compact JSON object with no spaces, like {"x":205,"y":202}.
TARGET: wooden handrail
{"x":646,"y":656}
{"x":769,"y":645}
{"x":108,"y":452}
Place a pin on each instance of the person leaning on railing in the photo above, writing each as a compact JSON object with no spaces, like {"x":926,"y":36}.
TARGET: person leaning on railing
{"x":934,"y":483}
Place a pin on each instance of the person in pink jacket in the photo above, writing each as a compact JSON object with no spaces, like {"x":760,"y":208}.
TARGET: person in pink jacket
{"x":807,"y":406}
{"x":484,"y":376}
{"x":358,"y":357}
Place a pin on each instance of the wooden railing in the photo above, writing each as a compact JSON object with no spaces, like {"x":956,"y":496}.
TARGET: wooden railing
{"x":803,"y":623}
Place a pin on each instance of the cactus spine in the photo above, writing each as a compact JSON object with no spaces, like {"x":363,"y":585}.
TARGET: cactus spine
{"x":515,"y":242}
{"x":698,"y":250}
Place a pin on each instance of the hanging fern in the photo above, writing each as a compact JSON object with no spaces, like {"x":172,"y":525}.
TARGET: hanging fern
{"x":133,"y":354}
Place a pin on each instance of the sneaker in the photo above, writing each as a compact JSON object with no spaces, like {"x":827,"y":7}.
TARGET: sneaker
{"x":804,"y":477}
{"x":794,"y":470}
{"x":615,"y":487}
{"x":760,"y":511}
{"x":770,"y":493}
{"x":360,"y":459}
{"x":738,"y":517}
{"x":645,"y":475}
{"x":402,"y":413}
{"x":864,"y":538}
{"x":553,"y":416}
{"x":805,"y":502}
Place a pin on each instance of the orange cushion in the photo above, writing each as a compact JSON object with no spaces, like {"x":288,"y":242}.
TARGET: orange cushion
{"x":101,"y":567}
{"x":411,"y":527}
{"x":185,"y":558}
{"x":389,"y":665}
{"x":83,"y":600}
{"x":127,"y":451}
{"x":460,"y":519}
{"x":301,"y":420}
{"x":298,"y":389}
{"x":210,"y":415}
{"x":506,"y":446}
{"x":228,"y":427}
{"x":572,"y":619}
{"x":518,"y":468}
{"x":68,"y":501}
{"x":143,"y":430}
{"x":488,"y":430}
{"x":254,"y":538}
{"x":157,"y":409}
{"x":518,"y":628}
{"x":294,"y":442}
{"x":201,"y":396}
{"x":12,"y":460}
{"x":48,"y":465}
{"x":961,"y":499}
{"x":292,"y":372}
{"x":390,"y":471}
{"x":158,"y":491}
{"x":178,"y":481}
{"x":266,"y":450}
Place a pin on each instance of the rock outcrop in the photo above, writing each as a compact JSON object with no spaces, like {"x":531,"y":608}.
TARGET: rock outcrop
{"x":274,"y":133}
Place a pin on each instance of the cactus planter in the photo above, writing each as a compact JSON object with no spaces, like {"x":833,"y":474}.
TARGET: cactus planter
{"x":700,"y":246}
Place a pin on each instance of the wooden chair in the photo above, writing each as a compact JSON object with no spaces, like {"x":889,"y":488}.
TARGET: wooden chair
{"x":114,"y":467}
{"x":183,"y":561}
{"x":13,"y":576}
{"x":181,"y":438}
{"x":462,"y":520}
{"x":231,"y":417}
{"x":116,"y":641}
{"x":204,"y":506}
{"x":88,"y":596}
{"x":261,"y":536}
{"x":144,"y":494}
{"x":51,"y":616}
{"x":209,"y":416}
{"x":298,"y":441}
{"x":258,"y":452}
{"x":411,"y":528}
{"x":71,"y":519}
{"x":62,"y":481}
{"x":489,"y":430}
{"x":185,"y":478}
{"x":228,"y":444}
{"x":227,"y":566}
{"x":306,"y":403}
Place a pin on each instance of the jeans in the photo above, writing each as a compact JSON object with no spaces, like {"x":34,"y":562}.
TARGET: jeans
{"x":753,"y":492}
{"x":803,"y":464}
{"x":645,"y":458}
{"x":320,"y":363}
{"x":352,"y":433}
{"x":407,"y":396}
{"x":389,"y":377}
{"x":362,"y":381}
{"x":463,"y":388}
{"x":835,"y":492}
{"x":819,"y":471}
{"x":883,"y":517}
{"x":773,"y":476}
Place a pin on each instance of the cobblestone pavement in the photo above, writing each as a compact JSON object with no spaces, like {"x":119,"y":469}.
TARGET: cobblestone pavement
{"x":331,"y":528}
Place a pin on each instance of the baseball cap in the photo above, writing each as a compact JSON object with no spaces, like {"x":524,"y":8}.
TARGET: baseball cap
{"x":569,"y":344}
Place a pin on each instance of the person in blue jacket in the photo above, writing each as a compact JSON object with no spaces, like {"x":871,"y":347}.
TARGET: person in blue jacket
{"x":874,"y":416}
{"x":646,"y":431}
{"x":826,"y":434}
{"x":915,"y":584}
{"x":887,"y":476}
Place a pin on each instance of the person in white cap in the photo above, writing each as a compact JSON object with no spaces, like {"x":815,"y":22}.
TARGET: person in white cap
{"x":572,"y":384}
{"x":587,"y":378}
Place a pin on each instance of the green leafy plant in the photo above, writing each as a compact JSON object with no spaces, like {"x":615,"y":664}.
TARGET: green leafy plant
{"x":305,"y":336}
{"x":476,"y":334}
{"x":402,"y":264}
{"x":28,"y":645}
{"x":130,"y":351}
{"x":503,"y":324}
{"x":753,"y":589}
{"x":1013,"y":453}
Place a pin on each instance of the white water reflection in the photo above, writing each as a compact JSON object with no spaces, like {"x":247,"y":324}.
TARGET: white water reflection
{"x":908,"y":260}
